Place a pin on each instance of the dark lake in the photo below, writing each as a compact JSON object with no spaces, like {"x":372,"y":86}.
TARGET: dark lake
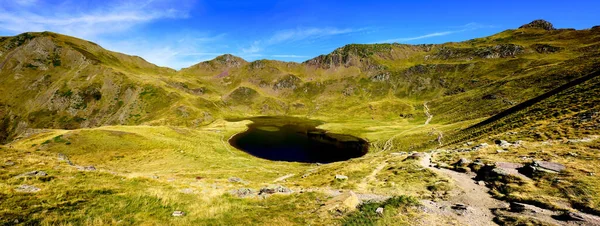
{"x":296,"y":140}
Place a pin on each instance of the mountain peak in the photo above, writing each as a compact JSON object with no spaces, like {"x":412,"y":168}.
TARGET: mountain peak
{"x":540,"y":24}
{"x":229,"y":60}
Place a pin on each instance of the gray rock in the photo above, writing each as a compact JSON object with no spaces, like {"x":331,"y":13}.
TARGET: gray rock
{"x":503,"y":143}
{"x":470,"y":143}
{"x":9,"y":163}
{"x":341,"y":177}
{"x":379,"y":211}
{"x":462,"y":162}
{"x":236,"y":180}
{"x":480,"y":146}
{"x":272,"y":189}
{"x":178,"y":213}
{"x":27,"y":188}
{"x":517,"y":207}
{"x":548,"y":166}
{"x":86,"y":168}
{"x":499,"y":172}
{"x":187,"y":191}
{"x":459,"y":206}
{"x":65,"y":158}
{"x":242,"y":192}
{"x":35,"y":173}
{"x":571,"y":216}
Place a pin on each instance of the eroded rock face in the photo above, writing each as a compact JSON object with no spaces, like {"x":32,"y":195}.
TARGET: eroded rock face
{"x":541,"y":24}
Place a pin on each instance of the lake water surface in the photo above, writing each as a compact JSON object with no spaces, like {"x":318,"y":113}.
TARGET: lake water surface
{"x":296,"y":140}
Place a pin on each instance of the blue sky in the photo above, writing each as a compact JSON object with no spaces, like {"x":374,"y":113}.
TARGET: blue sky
{"x":184,"y":32}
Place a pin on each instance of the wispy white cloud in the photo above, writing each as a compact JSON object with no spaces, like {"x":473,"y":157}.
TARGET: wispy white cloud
{"x":69,"y":18}
{"x":292,"y":35}
{"x":307,"y":33}
{"x":458,"y":29}
{"x":177,"y":50}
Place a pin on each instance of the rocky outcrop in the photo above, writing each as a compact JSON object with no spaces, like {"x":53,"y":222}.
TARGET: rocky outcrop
{"x":539,"y":24}
{"x":488,"y":52}
{"x":545,"y":48}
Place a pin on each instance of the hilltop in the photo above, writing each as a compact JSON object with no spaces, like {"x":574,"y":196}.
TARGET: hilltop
{"x":158,"y":137}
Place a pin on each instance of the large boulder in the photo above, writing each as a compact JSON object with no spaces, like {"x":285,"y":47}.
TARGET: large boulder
{"x":539,"y":24}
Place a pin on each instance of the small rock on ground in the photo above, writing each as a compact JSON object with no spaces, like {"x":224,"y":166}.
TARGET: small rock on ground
{"x":86,"y":168}
{"x":9,"y":163}
{"x":27,"y":188}
{"x":242,"y":192}
{"x":236,"y":180}
{"x":35,"y":173}
{"x":379,"y":211}
{"x":341,"y":177}
{"x":272,"y":189}
{"x":178,"y":213}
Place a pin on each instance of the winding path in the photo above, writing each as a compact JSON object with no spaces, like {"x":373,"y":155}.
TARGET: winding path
{"x":475,"y":196}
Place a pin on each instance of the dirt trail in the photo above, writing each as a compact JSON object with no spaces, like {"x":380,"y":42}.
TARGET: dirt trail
{"x":429,"y":115}
{"x":474,"y":196}
{"x":371,"y":177}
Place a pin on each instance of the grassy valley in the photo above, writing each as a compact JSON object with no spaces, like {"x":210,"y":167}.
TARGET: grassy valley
{"x":121,"y":141}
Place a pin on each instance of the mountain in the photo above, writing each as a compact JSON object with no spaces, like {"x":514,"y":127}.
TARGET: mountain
{"x":55,"y":81}
{"x":97,"y":137}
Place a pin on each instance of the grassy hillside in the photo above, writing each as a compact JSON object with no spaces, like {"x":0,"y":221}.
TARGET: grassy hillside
{"x":158,"y":138}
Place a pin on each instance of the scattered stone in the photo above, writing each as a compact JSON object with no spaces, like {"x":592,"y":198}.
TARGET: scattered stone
{"x":154,"y":177}
{"x":503,"y":143}
{"x":379,"y":211}
{"x":9,"y":163}
{"x":518,"y":143}
{"x":398,"y":153}
{"x":272,"y":189}
{"x":575,"y":141}
{"x":462,"y":162}
{"x":63,"y":157}
{"x":501,"y":151}
{"x":236,"y":180}
{"x":242,"y":192}
{"x":341,"y":177}
{"x":178,"y":213}
{"x":187,"y":191}
{"x":27,"y":188}
{"x":573,"y":154}
{"x":470,"y":143}
{"x":35,"y":173}
{"x":480,"y":146}
{"x":86,"y":168}
{"x":459,"y":206}
{"x":482,"y":183}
